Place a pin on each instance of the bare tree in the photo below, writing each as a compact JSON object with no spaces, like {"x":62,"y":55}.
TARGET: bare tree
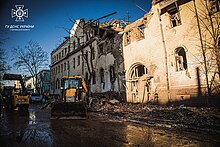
{"x":208,"y":23}
{"x":3,"y":60}
{"x":3,"y":66}
{"x":31,"y":58}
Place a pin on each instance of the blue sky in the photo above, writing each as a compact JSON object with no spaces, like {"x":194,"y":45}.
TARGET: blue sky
{"x":49,"y":16}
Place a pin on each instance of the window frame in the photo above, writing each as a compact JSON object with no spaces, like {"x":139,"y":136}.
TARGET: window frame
{"x":174,"y":16}
{"x":180,"y":59}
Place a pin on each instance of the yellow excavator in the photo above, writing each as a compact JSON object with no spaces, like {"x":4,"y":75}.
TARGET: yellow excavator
{"x":72,"y":104}
{"x":17,"y":97}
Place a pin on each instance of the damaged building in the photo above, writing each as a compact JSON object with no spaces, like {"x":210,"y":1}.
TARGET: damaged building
{"x":94,"y":51}
{"x":163,"y":50}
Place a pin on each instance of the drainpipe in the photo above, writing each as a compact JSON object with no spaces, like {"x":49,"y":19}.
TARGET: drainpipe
{"x":165,"y":53}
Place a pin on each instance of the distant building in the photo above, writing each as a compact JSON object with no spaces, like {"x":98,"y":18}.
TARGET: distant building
{"x":163,"y":49}
{"x":43,"y":81}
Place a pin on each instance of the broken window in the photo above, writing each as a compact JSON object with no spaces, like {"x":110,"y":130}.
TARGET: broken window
{"x":64,"y":66}
{"x":78,"y":60}
{"x":62,"y":53}
{"x":65,"y":50}
{"x":68,"y":48}
{"x":138,"y":71}
{"x":112,"y":74}
{"x":74,"y":63}
{"x":86,"y":55}
{"x":181,"y":61}
{"x":214,"y":6}
{"x":59,"y":55}
{"x":141,"y":29}
{"x":93,"y":53}
{"x":102,"y":80}
{"x":94,"y":78}
{"x":141,"y":70}
{"x":68,"y":65}
{"x":74,"y":44}
{"x":174,"y":16}
{"x":127,"y":38}
{"x":58,"y":84}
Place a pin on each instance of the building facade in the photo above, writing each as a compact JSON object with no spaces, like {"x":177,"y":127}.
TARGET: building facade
{"x":93,"y":51}
{"x":163,"y":49}
{"x":43,"y":81}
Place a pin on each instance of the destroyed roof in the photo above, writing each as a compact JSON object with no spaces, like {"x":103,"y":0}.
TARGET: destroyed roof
{"x":139,"y":22}
{"x":115,"y":24}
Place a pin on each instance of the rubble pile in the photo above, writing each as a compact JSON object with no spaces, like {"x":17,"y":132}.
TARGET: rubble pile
{"x":177,"y":116}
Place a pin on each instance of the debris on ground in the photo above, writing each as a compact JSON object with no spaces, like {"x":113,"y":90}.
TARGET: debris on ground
{"x":176,"y":116}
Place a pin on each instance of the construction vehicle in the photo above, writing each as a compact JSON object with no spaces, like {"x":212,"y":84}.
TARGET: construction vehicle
{"x":72,"y":104}
{"x":16,"y":97}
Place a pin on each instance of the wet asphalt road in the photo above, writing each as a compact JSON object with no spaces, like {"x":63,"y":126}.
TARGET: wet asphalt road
{"x":17,"y":129}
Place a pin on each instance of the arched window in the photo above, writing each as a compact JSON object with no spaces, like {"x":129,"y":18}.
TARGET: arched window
{"x":138,"y":71}
{"x":181,"y":61}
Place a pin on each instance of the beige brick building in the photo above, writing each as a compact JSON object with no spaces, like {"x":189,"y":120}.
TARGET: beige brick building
{"x":163,"y":49}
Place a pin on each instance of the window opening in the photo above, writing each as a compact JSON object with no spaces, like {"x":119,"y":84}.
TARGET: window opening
{"x":102,"y":75}
{"x":68,"y":65}
{"x":94,"y":78}
{"x":61,"y":67}
{"x":112,"y":74}
{"x":174,"y":16}
{"x":78,"y":60}
{"x":74,"y":63}
{"x":141,"y":29}
{"x":214,"y":6}
{"x":64,"y":66}
{"x":127,"y":37}
{"x":93,"y":53}
{"x":138,"y":71}
{"x":181,"y":61}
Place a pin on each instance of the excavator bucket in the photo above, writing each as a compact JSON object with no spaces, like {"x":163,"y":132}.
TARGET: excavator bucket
{"x":69,"y":110}
{"x":73,"y":104}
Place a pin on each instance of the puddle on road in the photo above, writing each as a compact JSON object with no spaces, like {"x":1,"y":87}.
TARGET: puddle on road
{"x":32,"y":117}
{"x":36,"y":129}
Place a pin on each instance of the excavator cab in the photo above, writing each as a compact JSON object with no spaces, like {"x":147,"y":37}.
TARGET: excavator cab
{"x":17,"y":96}
{"x":73,"y":102}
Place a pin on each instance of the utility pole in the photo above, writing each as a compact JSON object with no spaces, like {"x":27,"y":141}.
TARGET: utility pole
{"x":127,"y":17}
